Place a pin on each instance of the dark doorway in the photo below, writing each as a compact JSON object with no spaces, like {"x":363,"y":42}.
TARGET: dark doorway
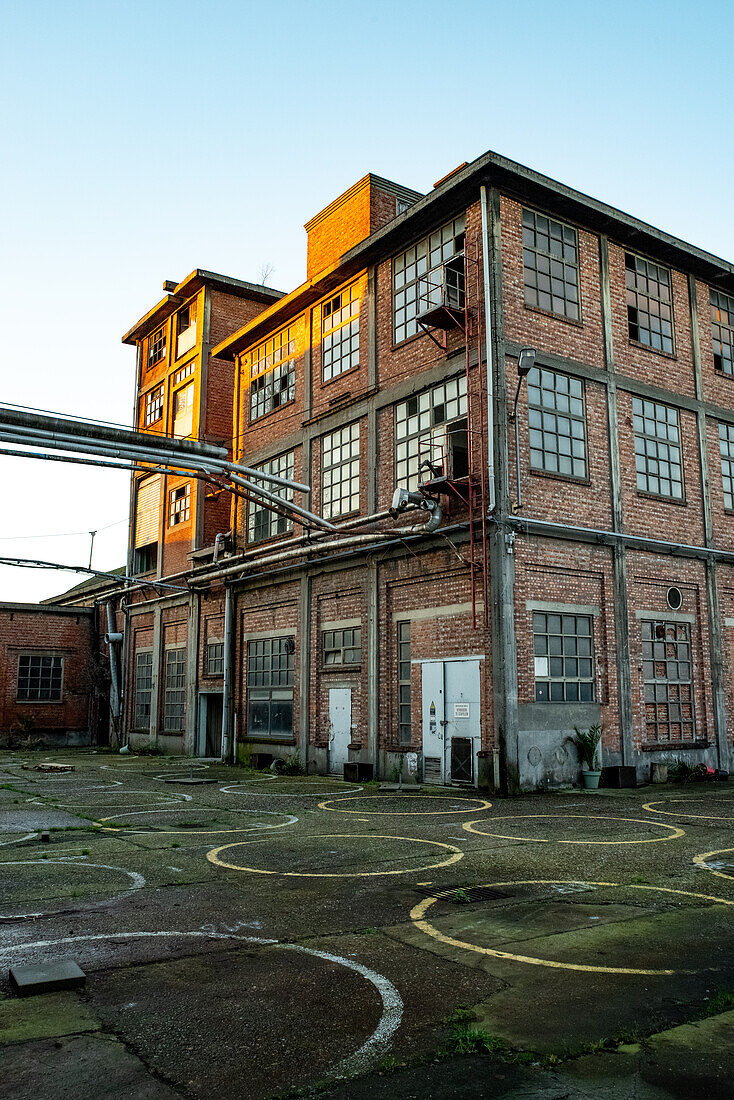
{"x":212,"y":725}
{"x":462,"y":770}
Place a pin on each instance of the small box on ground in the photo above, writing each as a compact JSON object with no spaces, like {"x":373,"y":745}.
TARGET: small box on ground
{"x":48,"y":977}
{"x":355,"y":772}
{"x":618,"y":776}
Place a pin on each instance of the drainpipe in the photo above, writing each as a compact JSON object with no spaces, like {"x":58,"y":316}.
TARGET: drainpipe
{"x":113,"y":639}
{"x":488,"y":342}
{"x":227,"y":678}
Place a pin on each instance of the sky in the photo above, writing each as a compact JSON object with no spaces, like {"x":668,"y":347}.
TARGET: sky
{"x":141,"y":140}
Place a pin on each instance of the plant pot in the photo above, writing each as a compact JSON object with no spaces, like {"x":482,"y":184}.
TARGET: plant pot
{"x":591,"y":780}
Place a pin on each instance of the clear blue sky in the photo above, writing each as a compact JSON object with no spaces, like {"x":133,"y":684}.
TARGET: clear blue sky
{"x":141,"y":140}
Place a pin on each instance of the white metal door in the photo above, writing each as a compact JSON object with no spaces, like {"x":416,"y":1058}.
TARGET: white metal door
{"x":340,"y":728}
{"x":462,"y":720}
{"x":432,"y":704}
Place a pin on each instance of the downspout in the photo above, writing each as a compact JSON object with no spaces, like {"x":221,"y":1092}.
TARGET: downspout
{"x":227,"y":677}
{"x":488,"y":344}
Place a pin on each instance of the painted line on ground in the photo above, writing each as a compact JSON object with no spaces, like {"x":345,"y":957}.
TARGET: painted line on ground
{"x":418,"y":911}
{"x":138,"y":881}
{"x":367,"y":1054}
{"x":214,"y":857}
{"x":483,"y":805}
{"x":650,"y":807}
{"x":703,"y":860}
{"x":129,"y":830}
{"x":675,"y":832}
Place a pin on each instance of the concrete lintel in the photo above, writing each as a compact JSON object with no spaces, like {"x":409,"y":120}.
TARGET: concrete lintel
{"x":257,"y":635}
{"x":671,"y":616}
{"x":341,"y":624}
{"x":444,"y":611}
{"x":562,"y":608}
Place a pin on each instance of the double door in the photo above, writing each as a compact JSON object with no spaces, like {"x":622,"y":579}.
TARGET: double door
{"x":450,"y":703}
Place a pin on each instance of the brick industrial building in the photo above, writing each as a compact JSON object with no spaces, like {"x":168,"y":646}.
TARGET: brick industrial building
{"x":566,"y":555}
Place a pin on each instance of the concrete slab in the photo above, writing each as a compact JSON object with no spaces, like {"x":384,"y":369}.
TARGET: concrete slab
{"x":48,"y":977}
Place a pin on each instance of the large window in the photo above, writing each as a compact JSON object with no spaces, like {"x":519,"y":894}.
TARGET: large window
{"x":40,"y":678}
{"x":262,"y":521}
{"x":270,"y":688}
{"x":551,"y":265}
{"x":340,"y":326}
{"x":154,"y":405}
{"x":564,"y":658}
{"x":143,"y":688}
{"x":215,"y":659}
{"x":179,"y":505}
{"x":147,"y":523}
{"x":404,"y":722}
{"x":186,"y":328}
{"x":174,"y":703}
{"x":418,"y":271}
{"x":342,"y":647}
{"x":649,"y":303}
{"x":272,"y":373}
{"x":557,"y":423}
{"x":722,"y":330}
{"x":340,"y":472}
{"x":157,"y":346}
{"x":183,"y":411}
{"x":726,"y":447}
{"x":657,"y":449}
{"x":431,"y":434}
{"x":668,"y":679}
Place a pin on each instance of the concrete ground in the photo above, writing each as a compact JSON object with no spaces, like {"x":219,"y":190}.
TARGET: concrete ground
{"x":251,"y":936}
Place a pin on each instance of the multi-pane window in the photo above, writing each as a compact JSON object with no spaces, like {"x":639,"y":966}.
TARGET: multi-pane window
{"x":157,"y":346}
{"x":262,"y":521}
{"x":270,"y":688}
{"x":649,"y":303}
{"x":154,"y":405}
{"x":668,"y":679}
{"x":563,"y":646}
{"x":174,"y":703}
{"x":431,"y":434}
{"x":184,"y":372}
{"x":404,"y":724}
{"x":722,"y":330}
{"x":183,"y":411}
{"x":215,"y":659}
{"x":340,"y":326}
{"x":342,"y":647}
{"x":657,"y":449}
{"x":272,"y":373}
{"x":179,"y":505}
{"x":726,"y":448}
{"x":417,"y":273}
{"x":550,"y":258}
{"x":557,"y":423}
{"x":340,"y":472}
{"x":143,"y":688}
{"x":40,"y":676}
{"x":186,"y":328}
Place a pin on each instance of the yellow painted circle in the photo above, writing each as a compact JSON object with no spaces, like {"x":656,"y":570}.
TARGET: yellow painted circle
{"x":483,"y":805}
{"x":675,"y":832}
{"x":702,"y":860}
{"x":650,"y":807}
{"x":418,"y":911}
{"x":457,"y":854}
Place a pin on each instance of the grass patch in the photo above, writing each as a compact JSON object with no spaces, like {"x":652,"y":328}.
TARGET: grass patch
{"x":465,"y":1039}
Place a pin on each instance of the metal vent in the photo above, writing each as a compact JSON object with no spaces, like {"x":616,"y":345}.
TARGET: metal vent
{"x":461,"y":895}
{"x":431,"y":769}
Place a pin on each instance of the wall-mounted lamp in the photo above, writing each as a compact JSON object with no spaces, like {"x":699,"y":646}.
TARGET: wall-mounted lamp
{"x":525,"y":363}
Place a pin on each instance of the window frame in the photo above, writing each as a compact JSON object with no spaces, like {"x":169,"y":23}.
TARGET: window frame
{"x":430,"y":432}
{"x":344,"y":329}
{"x":154,"y":398}
{"x":648,"y":658}
{"x":551,"y":258}
{"x":328,"y":509}
{"x":282,"y":465}
{"x":278,"y":353}
{"x":214,"y":643}
{"x":184,"y":511}
{"x":274,"y":694}
{"x":728,"y":326}
{"x":41,"y":655}
{"x":335,"y":642}
{"x":169,"y":690}
{"x":636,"y":341}
{"x":189,"y":386}
{"x":404,"y":682}
{"x":155,"y":351}
{"x":556,"y":413}
{"x":422,"y":275}
{"x":542,"y":651}
{"x":146,"y":653}
{"x":728,"y":458}
{"x":645,"y":439}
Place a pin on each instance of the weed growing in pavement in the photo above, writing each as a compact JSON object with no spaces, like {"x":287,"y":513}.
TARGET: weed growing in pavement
{"x":462,"y":1014}
{"x":462,"y":897}
{"x":390,"y":1064}
{"x":464,"y":1039}
{"x":175,"y":844}
{"x":723,"y":1001}
{"x":371,"y":931}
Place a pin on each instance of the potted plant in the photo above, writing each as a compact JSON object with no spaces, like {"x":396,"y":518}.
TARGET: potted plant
{"x":587,"y":742}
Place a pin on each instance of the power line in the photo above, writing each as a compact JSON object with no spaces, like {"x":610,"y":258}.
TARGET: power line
{"x":60,"y":534}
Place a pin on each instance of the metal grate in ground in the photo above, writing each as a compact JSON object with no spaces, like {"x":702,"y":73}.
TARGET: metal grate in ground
{"x":462,"y":895}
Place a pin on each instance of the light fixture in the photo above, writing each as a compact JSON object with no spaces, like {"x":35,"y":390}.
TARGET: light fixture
{"x":525,"y":363}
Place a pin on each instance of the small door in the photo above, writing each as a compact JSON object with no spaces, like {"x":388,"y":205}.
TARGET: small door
{"x":210,"y":736}
{"x":432,"y":704}
{"x":340,"y":728}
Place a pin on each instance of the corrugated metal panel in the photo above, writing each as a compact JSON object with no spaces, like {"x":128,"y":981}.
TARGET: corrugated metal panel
{"x":147,"y":522}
